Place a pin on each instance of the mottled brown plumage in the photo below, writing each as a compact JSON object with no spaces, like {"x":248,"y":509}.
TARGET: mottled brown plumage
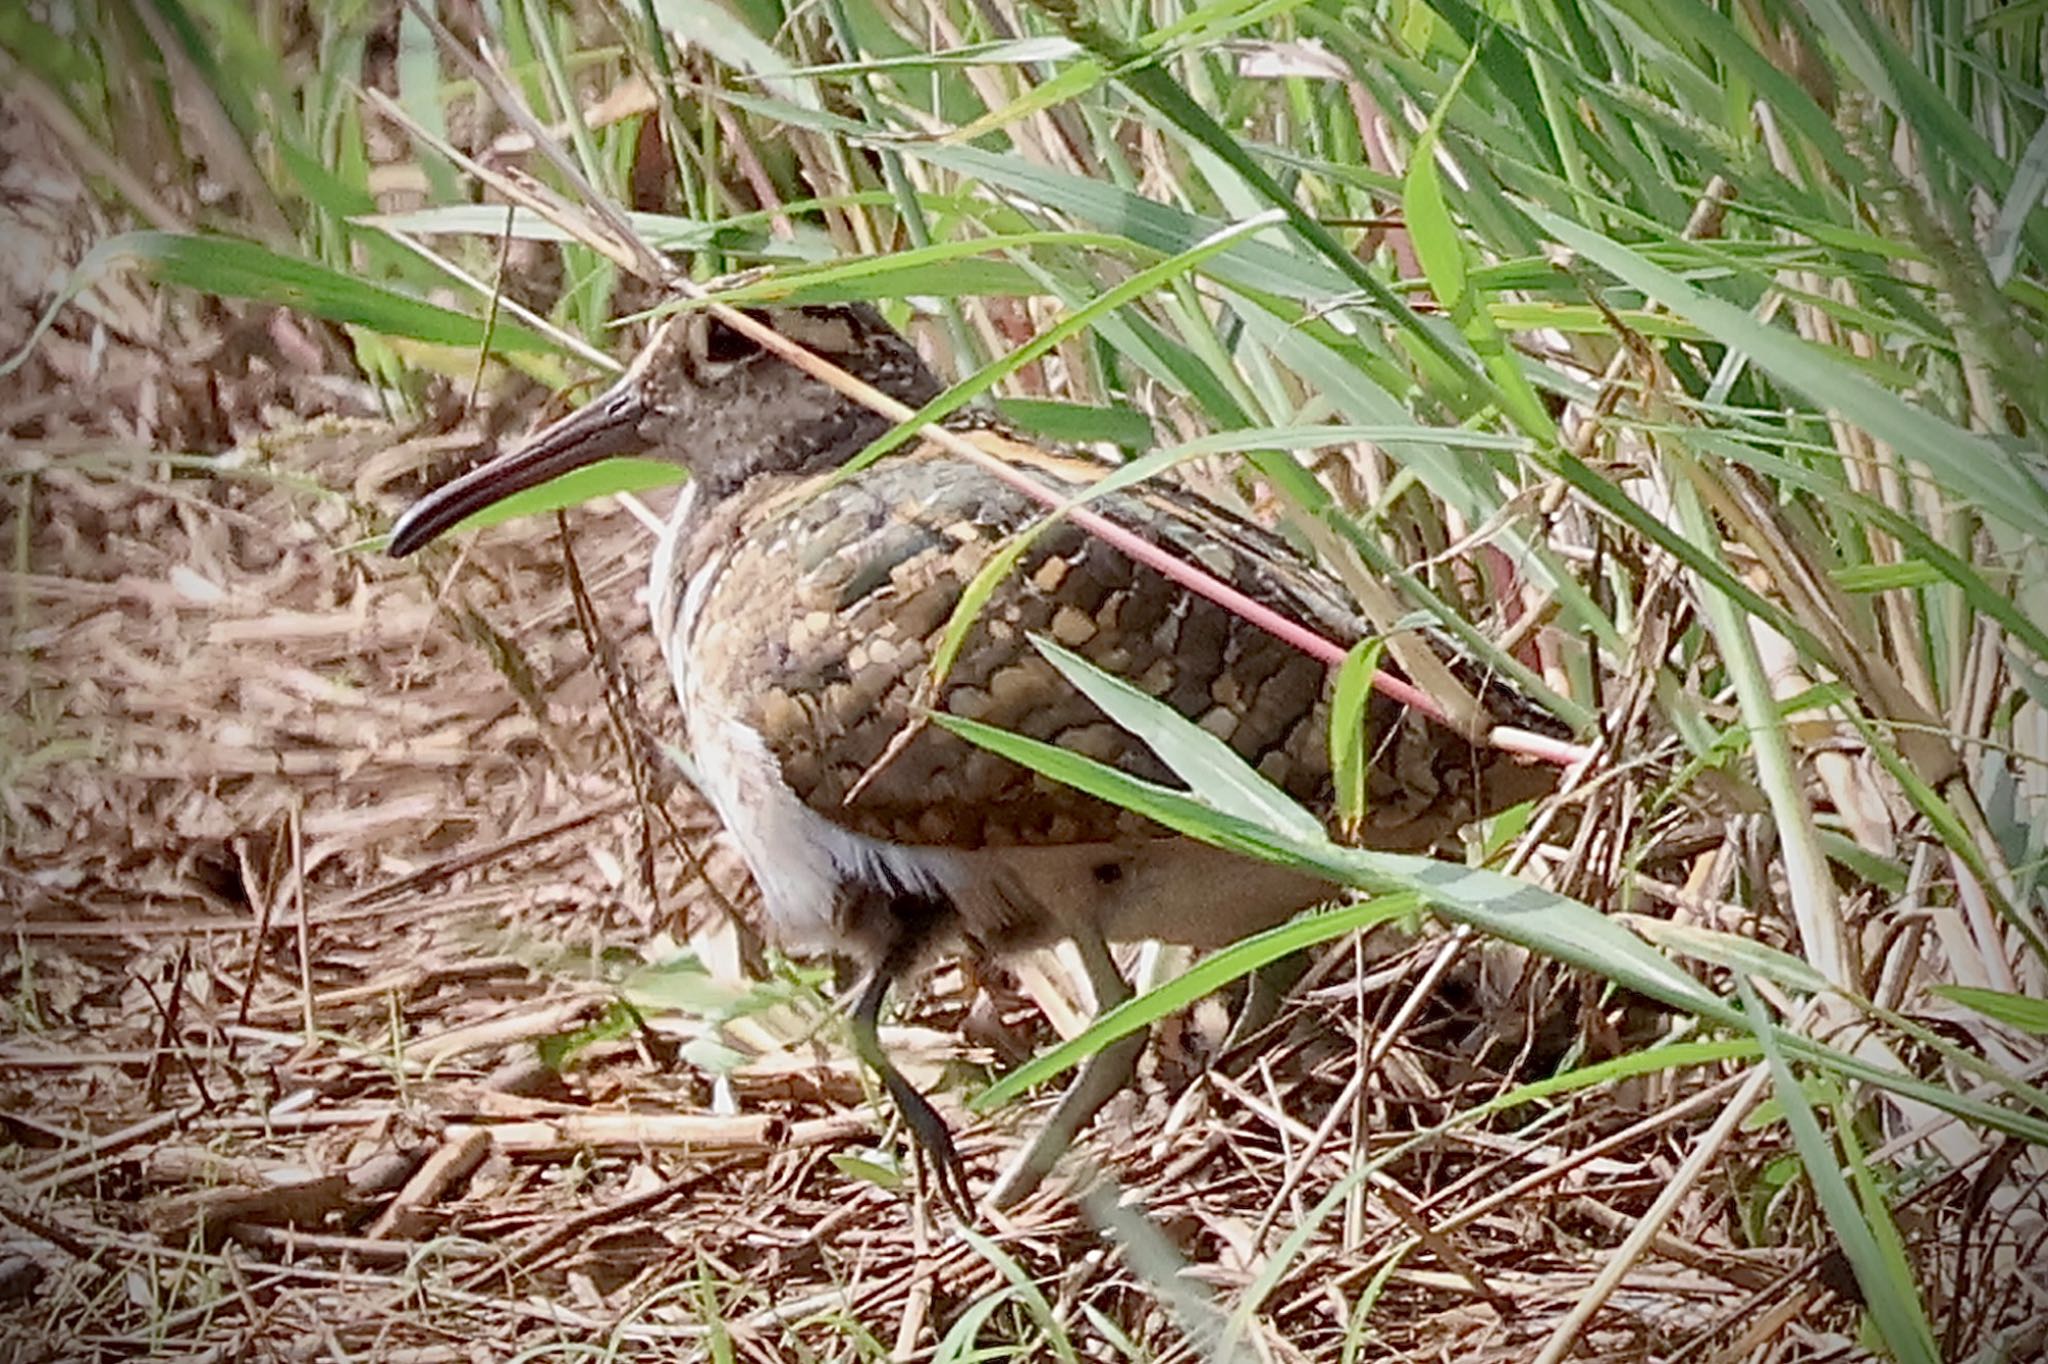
{"x":800,"y":611}
{"x":870,"y":573}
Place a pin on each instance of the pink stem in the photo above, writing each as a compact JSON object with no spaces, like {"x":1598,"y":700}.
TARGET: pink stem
{"x":1291,"y":632}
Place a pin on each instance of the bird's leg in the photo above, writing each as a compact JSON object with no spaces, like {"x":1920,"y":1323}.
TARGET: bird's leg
{"x":926,"y":1126}
{"x":1102,"y":1075}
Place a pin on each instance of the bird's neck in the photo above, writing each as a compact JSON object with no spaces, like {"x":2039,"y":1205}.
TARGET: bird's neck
{"x":816,"y":447}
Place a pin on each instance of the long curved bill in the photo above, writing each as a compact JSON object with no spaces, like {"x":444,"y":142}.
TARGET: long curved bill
{"x":605,"y":426}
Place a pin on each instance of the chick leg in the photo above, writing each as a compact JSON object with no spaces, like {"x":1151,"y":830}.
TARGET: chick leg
{"x":1101,"y":1076}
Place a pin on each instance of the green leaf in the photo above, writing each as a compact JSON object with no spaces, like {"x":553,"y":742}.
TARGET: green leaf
{"x":712,"y":1056}
{"x":1891,"y":1297}
{"x":1006,"y":52}
{"x":557,"y":1051}
{"x":748,"y":232}
{"x":1887,"y":577}
{"x":875,"y":1172}
{"x":2019,"y":1011}
{"x":1072,"y":82}
{"x":1430,"y":227}
{"x":2022,"y":201}
{"x":943,"y":269}
{"x":1204,"y":978}
{"x":237,"y":269}
{"x":1443,"y":253}
{"x":712,"y":27}
{"x":1350,"y":745}
{"x":1519,"y":911}
{"x":1884,"y":873}
{"x":975,"y":596}
{"x":1077,"y":423}
{"x":1218,"y":776}
{"x":1733,"y":952}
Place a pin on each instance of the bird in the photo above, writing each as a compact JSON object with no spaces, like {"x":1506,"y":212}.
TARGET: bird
{"x":799,"y":606}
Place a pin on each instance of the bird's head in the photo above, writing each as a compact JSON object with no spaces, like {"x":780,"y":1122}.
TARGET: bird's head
{"x":707,"y":396}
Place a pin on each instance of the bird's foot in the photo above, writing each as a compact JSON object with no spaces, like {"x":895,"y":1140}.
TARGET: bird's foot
{"x":934,"y":1139}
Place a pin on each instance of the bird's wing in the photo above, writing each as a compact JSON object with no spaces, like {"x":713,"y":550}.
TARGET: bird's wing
{"x":818,"y":608}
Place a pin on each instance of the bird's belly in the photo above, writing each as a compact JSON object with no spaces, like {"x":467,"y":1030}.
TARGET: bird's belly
{"x":791,"y":856}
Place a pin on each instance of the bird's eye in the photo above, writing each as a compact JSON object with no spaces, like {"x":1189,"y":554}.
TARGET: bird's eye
{"x":725,"y":346}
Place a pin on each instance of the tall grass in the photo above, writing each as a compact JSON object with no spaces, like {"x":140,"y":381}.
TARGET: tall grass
{"x":1722,"y":323}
